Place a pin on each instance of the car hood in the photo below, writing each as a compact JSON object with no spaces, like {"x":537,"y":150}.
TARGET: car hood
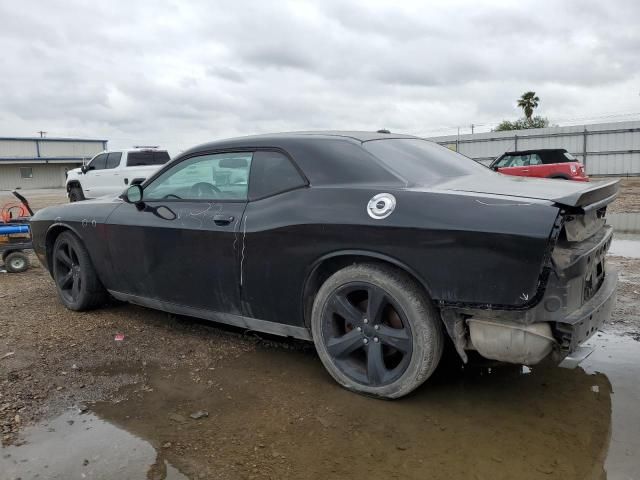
{"x":573,"y":194}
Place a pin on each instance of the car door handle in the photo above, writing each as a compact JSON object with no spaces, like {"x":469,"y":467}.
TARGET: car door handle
{"x":222,"y":219}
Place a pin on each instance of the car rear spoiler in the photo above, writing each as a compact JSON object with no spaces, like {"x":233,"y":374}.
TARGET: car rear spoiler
{"x":595,"y":196}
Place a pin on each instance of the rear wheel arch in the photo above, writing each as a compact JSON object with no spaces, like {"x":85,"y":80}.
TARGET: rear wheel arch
{"x":329,"y":264}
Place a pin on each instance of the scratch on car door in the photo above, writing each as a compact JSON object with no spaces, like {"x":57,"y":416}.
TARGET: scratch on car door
{"x":244,"y":236}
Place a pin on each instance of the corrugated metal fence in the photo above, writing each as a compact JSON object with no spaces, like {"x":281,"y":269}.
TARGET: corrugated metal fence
{"x":604,"y":148}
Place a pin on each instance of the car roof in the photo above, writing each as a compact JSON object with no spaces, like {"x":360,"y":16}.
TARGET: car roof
{"x":536,"y":150}
{"x":326,"y":157}
{"x":134,"y":149}
{"x":276,"y":138}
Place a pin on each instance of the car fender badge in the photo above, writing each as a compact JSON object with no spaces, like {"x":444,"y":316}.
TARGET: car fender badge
{"x":381,"y":206}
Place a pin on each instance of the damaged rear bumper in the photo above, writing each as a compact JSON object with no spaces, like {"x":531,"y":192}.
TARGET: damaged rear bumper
{"x":580,"y":325}
{"x":514,"y":340}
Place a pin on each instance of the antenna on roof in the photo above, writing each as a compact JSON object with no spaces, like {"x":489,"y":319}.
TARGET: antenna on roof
{"x":383,"y":130}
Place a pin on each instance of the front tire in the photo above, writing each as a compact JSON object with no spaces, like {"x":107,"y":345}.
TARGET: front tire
{"x":75,"y":277}
{"x":376,"y":331}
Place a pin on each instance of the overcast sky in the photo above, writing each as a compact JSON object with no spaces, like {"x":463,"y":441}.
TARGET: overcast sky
{"x":178,"y":73}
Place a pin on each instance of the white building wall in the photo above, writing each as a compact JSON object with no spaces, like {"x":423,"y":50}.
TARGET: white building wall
{"x":70,"y":149}
{"x":44,"y":176}
{"x":18,"y":148}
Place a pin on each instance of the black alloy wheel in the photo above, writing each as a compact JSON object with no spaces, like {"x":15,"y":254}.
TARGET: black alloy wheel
{"x":75,"y":277}
{"x":376,"y":330}
{"x":366,"y":334}
{"x":66,"y":271}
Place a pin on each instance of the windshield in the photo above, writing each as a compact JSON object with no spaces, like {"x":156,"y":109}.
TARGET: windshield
{"x":419,"y":161}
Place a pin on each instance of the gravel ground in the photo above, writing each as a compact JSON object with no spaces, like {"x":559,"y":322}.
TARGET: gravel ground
{"x":52,"y":358}
{"x":629,"y":199}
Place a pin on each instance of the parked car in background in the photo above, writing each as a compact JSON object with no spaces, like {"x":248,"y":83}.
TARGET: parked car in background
{"x":110,"y":172}
{"x":543,"y":163}
{"x":374,"y":246}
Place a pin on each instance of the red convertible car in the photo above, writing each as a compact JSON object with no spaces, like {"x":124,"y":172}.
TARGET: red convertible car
{"x":547,"y":163}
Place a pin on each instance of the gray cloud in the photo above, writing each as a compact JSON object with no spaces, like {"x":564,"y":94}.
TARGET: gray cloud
{"x":178,"y":73}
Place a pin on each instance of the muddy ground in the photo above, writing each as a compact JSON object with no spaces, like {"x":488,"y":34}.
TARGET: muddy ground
{"x":267,"y":409}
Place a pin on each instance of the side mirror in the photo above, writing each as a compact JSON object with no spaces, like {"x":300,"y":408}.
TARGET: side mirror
{"x":133,"y":194}
{"x":83,"y":169}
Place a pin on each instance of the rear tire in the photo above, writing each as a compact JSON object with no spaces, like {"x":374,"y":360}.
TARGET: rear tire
{"x":76,"y":194}
{"x":74,"y":274}
{"x":16,"y":262}
{"x":376,"y":332}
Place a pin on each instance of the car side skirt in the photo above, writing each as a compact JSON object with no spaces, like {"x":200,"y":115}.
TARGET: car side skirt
{"x":249,"y":323}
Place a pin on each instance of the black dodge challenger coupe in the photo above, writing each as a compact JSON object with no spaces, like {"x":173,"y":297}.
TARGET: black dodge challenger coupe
{"x":375,"y":246}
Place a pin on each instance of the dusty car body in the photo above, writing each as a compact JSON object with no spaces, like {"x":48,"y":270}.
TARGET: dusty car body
{"x":375,"y":246}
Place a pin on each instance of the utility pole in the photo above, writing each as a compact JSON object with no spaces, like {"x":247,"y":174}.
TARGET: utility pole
{"x":42,"y":134}
{"x":472,"y":125}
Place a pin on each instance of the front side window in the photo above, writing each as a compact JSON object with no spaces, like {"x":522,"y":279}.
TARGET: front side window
{"x":113,"y":160}
{"x":99,"y":162}
{"x":272,"y":173}
{"x":505,"y":161}
{"x":222,"y":176}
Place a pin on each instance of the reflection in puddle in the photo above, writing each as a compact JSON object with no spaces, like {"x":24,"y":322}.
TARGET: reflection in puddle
{"x":277,"y":414}
{"x":619,"y":359}
{"x":626,"y":237}
{"x":82,"y":446}
{"x":625,"y":245}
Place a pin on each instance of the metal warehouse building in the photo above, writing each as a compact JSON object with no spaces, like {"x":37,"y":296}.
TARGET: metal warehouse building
{"x":604,"y":148}
{"x":42,"y":162}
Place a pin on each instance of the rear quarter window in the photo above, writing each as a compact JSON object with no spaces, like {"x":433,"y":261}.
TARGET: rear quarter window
{"x":272,"y":173}
{"x":141,"y":159}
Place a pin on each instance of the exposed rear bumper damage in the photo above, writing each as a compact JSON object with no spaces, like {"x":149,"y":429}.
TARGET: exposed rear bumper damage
{"x":584,"y":322}
{"x":578,"y":298}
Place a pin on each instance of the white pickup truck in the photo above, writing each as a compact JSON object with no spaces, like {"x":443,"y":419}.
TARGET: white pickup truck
{"x":110,"y":172}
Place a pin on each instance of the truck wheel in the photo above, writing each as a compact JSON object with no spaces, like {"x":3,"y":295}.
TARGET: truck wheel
{"x":16,"y":262}
{"x":376,"y":331}
{"x":75,"y":277}
{"x":76,"y":194}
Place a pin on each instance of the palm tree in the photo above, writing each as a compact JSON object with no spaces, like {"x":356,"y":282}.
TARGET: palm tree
{"x":528,"y":102}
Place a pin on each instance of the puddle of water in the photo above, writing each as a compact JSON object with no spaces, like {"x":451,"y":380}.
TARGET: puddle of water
{"x":618,"y":357}
{"x":626,"y":237}
{"x":625,"y":245}
{"x":277,"y":414}
{"x":82,"y":446}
